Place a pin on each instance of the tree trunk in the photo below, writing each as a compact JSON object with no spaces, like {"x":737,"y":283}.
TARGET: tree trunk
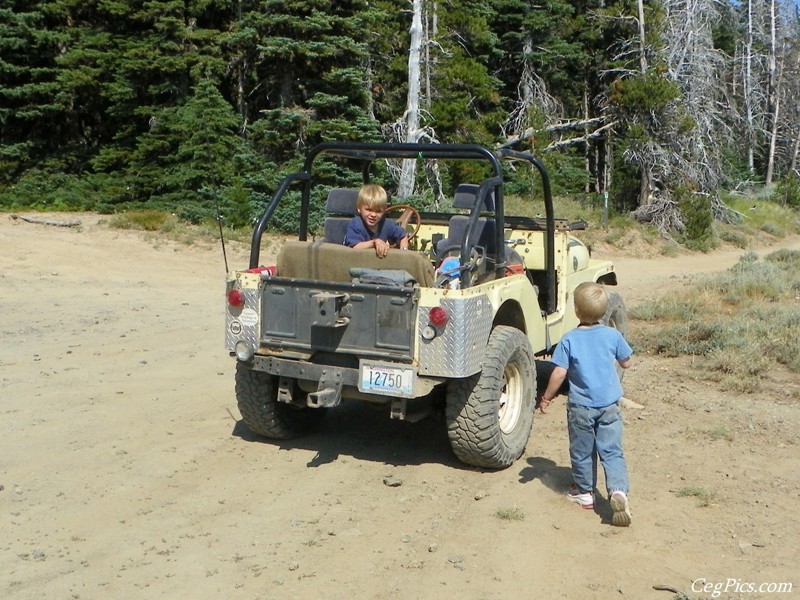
{"x":408,"y":172}
{"x":646,"y":175}
{"x":748,"y":88}
{"x":793,"y":165}
{"x":775,"y":76}
{"x":240,"y":76}
{"x":586,"y":154}
{"x":773,"y":137}
{"x":642,"y":41}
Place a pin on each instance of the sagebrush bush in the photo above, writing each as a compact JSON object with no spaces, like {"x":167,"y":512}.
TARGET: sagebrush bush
{"x":732,"y":236}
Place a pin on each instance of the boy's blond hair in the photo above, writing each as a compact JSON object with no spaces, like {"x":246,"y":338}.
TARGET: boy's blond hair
{"x":373,"y":197}
{"x":591,"y":302}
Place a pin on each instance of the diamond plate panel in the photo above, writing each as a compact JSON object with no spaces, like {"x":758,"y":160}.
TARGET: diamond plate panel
{"x":242,"y":323}
{"x":459,"y":346}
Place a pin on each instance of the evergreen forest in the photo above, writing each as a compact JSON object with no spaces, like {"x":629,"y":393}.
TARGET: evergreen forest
{"x":200,"y":107}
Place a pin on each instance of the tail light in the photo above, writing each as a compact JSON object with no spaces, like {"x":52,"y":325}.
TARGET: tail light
{"x":235,"y":298}
{"x":438,"y":316}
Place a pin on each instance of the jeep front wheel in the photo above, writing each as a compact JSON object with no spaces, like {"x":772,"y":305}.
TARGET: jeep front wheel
{"x":257,"y":398}
{"x":616,"y":314}
{"x":617,"y":317}
{"x":489,"y":415}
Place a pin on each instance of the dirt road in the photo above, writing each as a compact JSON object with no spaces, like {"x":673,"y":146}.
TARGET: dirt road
{"x":125,"y":472}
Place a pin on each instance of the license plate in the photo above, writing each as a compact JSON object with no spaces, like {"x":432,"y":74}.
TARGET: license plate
{"x":380,"y":378}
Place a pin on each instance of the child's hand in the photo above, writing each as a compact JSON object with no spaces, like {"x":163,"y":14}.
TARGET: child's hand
{"x":543,"y":405}
{"x":381,"y":248}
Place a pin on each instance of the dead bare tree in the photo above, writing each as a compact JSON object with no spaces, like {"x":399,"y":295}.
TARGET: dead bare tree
{"x":753,"y":63}
{"x":410,"y":127}
{"x":773,"y":90}
{"x":411,"y":117}
{"x":676,"y":154}
{"x":791,"y":91}
{"x":792,"y":118}
{"x":774,"y":130}
{"x":699,"y":69}
{"x":784,"y":88}
{"x":531,"y":94}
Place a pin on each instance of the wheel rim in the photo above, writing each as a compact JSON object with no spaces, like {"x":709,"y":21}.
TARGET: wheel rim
{"x":510,"y":399}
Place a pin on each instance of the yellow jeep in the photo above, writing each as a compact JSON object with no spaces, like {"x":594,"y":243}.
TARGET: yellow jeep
{"x":460,"y":319}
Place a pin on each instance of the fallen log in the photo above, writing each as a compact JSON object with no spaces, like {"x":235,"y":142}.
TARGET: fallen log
{"x":51,"y":223}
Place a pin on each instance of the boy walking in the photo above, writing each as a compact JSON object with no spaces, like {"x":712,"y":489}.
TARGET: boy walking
{"x":586,"y":357}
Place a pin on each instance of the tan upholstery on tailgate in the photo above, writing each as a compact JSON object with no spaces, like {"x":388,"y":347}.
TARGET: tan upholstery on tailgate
{"x":332,"y":262}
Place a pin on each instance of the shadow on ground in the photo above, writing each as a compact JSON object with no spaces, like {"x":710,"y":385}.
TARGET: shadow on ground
{"x":558,"y":479}
{"x":364,"y":432}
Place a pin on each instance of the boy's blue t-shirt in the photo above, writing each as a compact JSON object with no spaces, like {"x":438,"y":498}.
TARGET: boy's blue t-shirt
{"x":590,"y":355}
{"x":357,"y":231}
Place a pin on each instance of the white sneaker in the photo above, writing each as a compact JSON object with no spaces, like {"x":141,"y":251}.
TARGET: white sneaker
{"x":621,"y":516}
{"x":582,"y":499}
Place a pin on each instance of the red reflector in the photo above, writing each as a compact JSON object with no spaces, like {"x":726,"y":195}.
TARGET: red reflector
{"x":235,"y":298}
{"x":438,"y":316}
{"x":258,"y":270}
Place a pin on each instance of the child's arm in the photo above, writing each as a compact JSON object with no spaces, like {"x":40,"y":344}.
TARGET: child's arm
{"x":381,"y":247}
{"x":625,"y":363}
{"x":364,"y":245}
{"x":557,"y":378}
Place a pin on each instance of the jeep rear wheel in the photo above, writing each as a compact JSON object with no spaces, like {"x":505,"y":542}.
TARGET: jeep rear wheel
{"x":257,"y":398}
{"x":489,"y":415}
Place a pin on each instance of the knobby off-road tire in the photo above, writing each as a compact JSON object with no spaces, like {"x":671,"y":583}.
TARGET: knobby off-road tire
{"x":616,"y":314}
{"x":490,"y":414}
{"x":256,"y":395}
{"x":617,"y":317}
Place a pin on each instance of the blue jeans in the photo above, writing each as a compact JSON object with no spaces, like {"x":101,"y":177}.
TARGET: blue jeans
{"x":593,"y":433}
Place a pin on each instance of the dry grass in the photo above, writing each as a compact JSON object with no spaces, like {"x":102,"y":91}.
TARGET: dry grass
{"x":739,"y":322}
{"x":173,"y":228}
{"x":510,"y":514}
{"x":704,"y":497}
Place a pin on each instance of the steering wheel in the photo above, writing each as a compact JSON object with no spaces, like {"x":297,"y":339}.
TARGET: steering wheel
{"x":409,"y":218}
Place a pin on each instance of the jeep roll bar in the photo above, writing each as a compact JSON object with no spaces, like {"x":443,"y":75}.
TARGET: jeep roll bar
{"x":366,"y":153}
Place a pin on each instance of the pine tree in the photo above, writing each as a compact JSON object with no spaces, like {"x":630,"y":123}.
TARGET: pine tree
{"x":306,"y":77}
{"x":555,"y":55}
{"x":465,"y":101}
{"x":161,"y":49}
{"x":188,"y":157}
{"x":31,"y":111}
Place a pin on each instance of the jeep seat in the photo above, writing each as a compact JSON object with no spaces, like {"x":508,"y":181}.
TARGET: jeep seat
{"x":340,"y":207}
{"x":483,"y":235}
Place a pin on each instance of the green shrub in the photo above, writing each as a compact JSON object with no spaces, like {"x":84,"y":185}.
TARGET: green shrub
{"x":787,"y":191}
{"x":698,"y":220}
